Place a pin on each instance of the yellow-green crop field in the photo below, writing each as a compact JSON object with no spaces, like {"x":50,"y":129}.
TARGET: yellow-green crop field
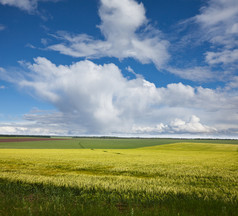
{"x":173,"y":179}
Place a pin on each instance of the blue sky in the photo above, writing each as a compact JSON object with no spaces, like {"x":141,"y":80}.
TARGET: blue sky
{"x":127,"y":68}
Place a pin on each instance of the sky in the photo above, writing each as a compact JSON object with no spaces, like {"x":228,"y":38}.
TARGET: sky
{"x":143,"y":68}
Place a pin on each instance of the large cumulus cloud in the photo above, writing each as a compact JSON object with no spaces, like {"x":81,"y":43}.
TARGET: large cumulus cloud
{"x":98,"y":99}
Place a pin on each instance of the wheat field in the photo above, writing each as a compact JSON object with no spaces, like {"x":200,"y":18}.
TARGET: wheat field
{"x":173,"y":179}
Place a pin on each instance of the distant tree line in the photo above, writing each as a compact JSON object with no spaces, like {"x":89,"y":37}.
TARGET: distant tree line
{"x":116,"y":137}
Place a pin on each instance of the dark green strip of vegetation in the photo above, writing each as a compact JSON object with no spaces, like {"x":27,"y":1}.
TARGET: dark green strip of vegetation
{"x":104,"y":143}
{"x":19,"y":198}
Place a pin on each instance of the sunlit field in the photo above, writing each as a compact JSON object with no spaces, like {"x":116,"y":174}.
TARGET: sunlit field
{"x":170,"y":178}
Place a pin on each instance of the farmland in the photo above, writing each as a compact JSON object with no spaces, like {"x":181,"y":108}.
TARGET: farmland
{"x":88,"y":176}
{"x":94,"y":143}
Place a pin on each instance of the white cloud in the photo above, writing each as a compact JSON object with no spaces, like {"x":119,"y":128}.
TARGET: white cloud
{"x":97,"y":99}
{"x":27,"y":5}
{"x":44,"y":41}
{"x":234,"y":29}
{"x":95,"y":95}
{"x":160,"y":128}
{"x":2,"y":27}
{"x":217,"y":12}
{"x":176,"y":126}
{"x":224,"y":57}
{"x":219,"y":21}
{"x":3,"y":73}
{"x":29,"y":128}
{"x":192,"y":126}
{"x":196,"y":73}
{"x":214,"y":29}
{"x":233,"y":84}
{"x":126,"y":31}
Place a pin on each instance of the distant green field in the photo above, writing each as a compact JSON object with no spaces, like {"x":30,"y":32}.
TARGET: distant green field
{"x":184,"y":178}
{"x":101,"y":143}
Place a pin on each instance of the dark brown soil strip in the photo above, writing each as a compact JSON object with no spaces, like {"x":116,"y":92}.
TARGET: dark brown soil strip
{"x":29,"y":139}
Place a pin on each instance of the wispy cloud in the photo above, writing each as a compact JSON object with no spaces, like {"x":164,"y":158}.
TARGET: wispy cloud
{"x":215,"y":30}
{"x":196,"y":73}
{"x":26,"y":5}
{"x":224,"y":57}
{"x":2,"y":27}
{"x":218,"y":22}
{"x":127,"y":33}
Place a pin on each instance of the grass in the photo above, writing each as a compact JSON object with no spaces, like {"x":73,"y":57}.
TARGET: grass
{"x":192,"y":146}
{"x":100,"y":143}
{"x":86,"y":143}
{"x":172,"y":179}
